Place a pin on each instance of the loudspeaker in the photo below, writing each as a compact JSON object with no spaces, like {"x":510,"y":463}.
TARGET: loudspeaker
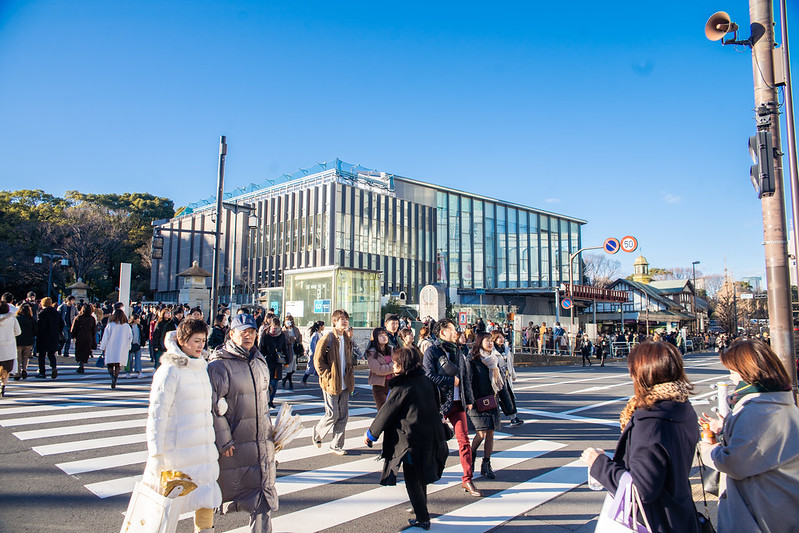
{"x":719,"y":25}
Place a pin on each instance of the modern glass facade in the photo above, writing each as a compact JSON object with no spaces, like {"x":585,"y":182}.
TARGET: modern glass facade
{"x":490,"y":244}
{"x":340,"y":215}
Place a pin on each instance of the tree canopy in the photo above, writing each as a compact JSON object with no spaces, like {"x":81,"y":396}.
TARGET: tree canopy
{"x":96,"y":232}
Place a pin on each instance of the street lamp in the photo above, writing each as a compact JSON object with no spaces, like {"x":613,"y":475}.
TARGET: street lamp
{"x":693,"y":267}
{"x":63,"y":259}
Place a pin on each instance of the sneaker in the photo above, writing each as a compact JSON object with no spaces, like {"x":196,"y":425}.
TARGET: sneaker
{"x":316,"y":442}
{"x":137,"y":376}
{"x":272,"y":405}
{"x":515,"y":421}
{"x":338,"y":451}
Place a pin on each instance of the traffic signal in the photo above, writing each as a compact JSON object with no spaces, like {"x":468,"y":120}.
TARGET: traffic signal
{"x":762,"y":172}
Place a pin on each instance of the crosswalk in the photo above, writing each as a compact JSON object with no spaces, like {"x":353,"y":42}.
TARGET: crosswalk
{"x":97,"y":435}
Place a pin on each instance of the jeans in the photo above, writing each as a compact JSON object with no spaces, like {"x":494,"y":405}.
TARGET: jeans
{"x":272,"y":389}
{"x":134,"y":361}
{"x":335,"y":418}
{"x":67,"y":342}
{"x":151,"y":347}
{"x":457,"y":417}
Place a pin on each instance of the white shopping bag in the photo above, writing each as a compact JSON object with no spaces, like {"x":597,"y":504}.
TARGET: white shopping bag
{"x":150,"y":512}
{"x":620,"y":513}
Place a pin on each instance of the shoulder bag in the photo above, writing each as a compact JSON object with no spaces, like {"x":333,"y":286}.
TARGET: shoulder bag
{"x":621,"y":513}
{"x":486,"y":403}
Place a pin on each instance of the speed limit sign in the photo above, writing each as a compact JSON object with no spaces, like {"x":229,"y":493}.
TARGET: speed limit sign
{"x":629,"y":244}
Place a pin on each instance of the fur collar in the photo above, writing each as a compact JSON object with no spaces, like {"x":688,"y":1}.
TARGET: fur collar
{"x":672,"y":390}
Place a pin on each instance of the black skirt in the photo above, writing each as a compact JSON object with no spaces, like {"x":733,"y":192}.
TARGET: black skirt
{"x":485,"y":420}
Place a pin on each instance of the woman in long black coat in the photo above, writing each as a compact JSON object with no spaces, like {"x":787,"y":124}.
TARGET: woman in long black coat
{"x":658,"y":440}
{"x":51,"y":326}
{"x":84,"y":331}
{"x":274,"y":346}
{"x":413,"y":433}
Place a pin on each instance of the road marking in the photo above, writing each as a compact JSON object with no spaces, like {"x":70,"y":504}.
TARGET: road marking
{"x":602,"y":387}
{"x":340,"y":511}
{"x":102,"y":463}
{"x":91,"y":444}
{"x":501,"y":507}
{"x":595,"y":405}
{"x":529,"y":387}
{"x":564,"y":416}
{"x":81,"y":429}
{"x":64,"y":417}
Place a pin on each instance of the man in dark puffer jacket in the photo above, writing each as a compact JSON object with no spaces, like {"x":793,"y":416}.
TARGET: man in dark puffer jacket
{"x":240,"y":382}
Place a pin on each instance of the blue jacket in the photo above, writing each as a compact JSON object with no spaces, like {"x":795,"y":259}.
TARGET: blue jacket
{"x":446,"y":383}
{"x":657,"y":447}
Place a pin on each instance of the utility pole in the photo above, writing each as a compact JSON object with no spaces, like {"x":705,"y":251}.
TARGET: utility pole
{"x":775,"y":239}
{"x":220,"y":189}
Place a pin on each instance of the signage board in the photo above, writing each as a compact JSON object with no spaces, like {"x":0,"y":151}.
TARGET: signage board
{"x":611,"y":245}
{"x":629,"y":244}
{"x":566,"y":303}
{"x":295,"y":308}
{"x":321,"y":306}
{"x":462,"y":318}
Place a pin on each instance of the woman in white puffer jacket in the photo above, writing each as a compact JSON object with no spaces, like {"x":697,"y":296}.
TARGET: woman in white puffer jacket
{"x":180,"y":432}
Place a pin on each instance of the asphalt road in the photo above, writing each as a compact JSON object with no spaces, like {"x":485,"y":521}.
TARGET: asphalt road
{"x":71,"y":449}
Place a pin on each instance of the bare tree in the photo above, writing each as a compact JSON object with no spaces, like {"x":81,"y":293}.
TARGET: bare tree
{"x":712,"y":284}
{"x":600,"y":269}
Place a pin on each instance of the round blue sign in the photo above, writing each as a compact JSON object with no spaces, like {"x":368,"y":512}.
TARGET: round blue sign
{"x":566,"y":303}
{"x":611,"y":245}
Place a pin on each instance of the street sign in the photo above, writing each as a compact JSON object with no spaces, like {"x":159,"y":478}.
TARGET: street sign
{"x":747,"y":296}
{"x":629,"y":244}
{"x":462,"y":318}
{"x":321,"y":306}
{"x":611,"y":245}
{"x":566,"y":303}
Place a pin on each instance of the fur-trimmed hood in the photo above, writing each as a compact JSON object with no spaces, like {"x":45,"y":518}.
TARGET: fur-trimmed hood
{"x":176,"y":357}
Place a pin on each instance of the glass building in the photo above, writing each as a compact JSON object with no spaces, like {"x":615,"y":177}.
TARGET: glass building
{"x":410,"y":232}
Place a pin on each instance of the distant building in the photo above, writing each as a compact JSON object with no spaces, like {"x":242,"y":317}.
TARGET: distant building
{"x":407,"y":232}
{"x":755,"y":282}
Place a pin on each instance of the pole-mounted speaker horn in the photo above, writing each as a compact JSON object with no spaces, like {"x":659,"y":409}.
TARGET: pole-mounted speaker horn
{"x":719,"y":25}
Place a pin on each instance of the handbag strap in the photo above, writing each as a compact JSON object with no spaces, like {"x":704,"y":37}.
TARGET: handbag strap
{"x":701,"y":482}
{"x":638,"y":506}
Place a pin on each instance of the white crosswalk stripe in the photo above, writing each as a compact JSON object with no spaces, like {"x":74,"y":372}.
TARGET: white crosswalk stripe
{"x":75,"y":423}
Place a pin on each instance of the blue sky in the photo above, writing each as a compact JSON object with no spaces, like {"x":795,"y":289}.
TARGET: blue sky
{"x":621,"y":113}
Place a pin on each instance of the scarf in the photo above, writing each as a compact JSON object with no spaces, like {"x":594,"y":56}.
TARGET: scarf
{"x":449,"y":347}
{"x":671,"y":390}
{"x":743,"y":389}
{"x":235,"y":349}
{"x":491,"y":360}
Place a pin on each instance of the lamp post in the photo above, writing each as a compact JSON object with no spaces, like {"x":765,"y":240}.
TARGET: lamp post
{"x":252,"y":223}
{"x":64,"y":260}
{"x":693,"y":267}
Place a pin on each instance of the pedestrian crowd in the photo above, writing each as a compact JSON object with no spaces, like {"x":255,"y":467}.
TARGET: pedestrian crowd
{"x":213,"y":389}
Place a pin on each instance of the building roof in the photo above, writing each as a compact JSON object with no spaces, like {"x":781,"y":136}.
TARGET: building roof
{"x":670,"y":285}
{"x":652,"y":292}
{"x":382,"y":180}
{"x":195,"y":270}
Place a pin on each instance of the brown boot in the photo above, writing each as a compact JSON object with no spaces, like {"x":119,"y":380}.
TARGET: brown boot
{"x":469,"y":487}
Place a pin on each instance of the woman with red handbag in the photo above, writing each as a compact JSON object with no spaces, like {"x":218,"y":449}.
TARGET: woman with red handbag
{"x":486,"y":382}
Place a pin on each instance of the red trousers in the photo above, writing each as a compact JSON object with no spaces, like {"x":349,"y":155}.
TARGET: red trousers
{"x":457,"y":417}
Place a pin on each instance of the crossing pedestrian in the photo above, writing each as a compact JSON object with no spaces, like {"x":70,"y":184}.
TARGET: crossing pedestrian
{"x":27,"y":327}
{"x":84,"y":331}
{"x":392,"y":326}
{"x":316,"y":330}
{"x":333,"y":362}
{"x":116,"y":343}
{"x":180,"y":429}
{"x":542,"y":338}
{"x":585,"y":349}
{"x":134,"y":356}
{"x":294,"y":339}
{"x":381,"y":367}
{"x":49,"y":331}
{"x":485,"y":382}
{"x":274,"y":346}
{"x":9,"y":329}
{"x":244,"y":436}
{"x":658,"y":440}
{"x":413,"y":435}
{"x":446,"y":366}
{"x":218,"y":332}
{"x":68,"y":312}
{"x":164,"y":325}
{"x":506,"y":396}
{"x":757,"y":451}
